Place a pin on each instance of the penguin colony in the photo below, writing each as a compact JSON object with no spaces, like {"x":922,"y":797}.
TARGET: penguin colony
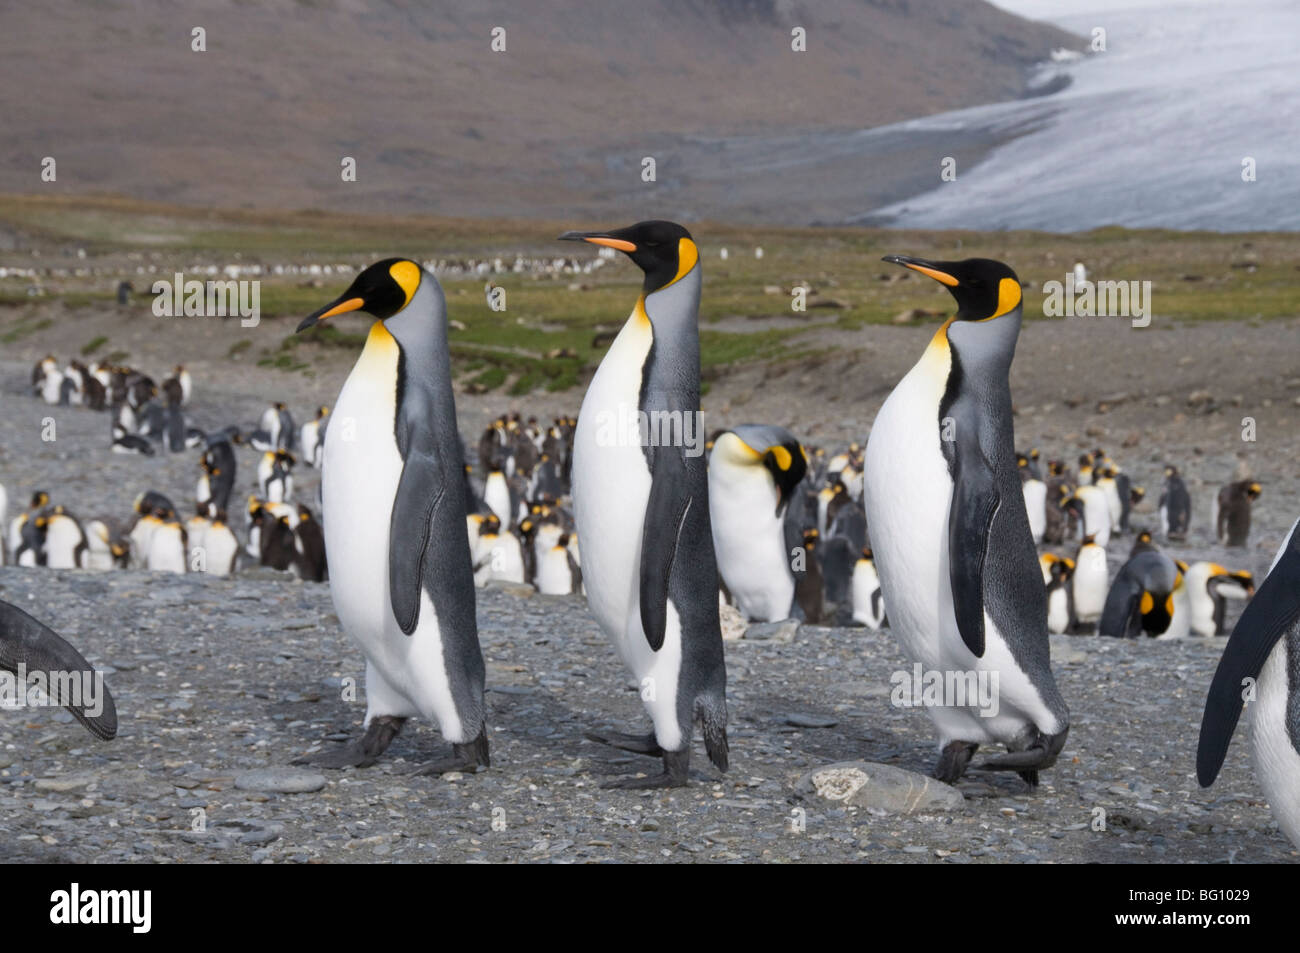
{"x":759,"y":525}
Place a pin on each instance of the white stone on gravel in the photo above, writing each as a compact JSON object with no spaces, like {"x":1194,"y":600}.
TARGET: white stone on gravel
{"x":280,"y":780}
{"x":882,"y":787}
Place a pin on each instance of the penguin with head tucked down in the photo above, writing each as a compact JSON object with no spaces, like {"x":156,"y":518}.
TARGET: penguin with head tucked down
{"x":1142,"y":597}
{"x":753,"y":472}
{"x":949,"y":529}
{"x":1210,"y":587}
{"x":394,"y":522}
{"x":641,"y":504}
{"x":1261,"y":663}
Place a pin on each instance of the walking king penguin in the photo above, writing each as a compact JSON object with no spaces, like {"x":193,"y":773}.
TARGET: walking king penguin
{"x":1261,"y":665}
{"x":641,"y":504}
{"x":949,"y":530}
{"x":394,"y":521}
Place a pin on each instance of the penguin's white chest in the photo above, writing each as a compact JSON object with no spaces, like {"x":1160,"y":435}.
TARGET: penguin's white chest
{"x":496,"y":494}
{"x":166,"y":550}
{"x":868,"y":607}
{"x":406,"y":675}
{"x":908,"y":493}
{"x":1277,"y":765}
{"x":611,"y":487}
{"x":1090,"y":582}
{"x":554,"y":577}
{"x":749,"y":540}
{"x":219,"y":547}
{"x":1035,"y":493}
{"x":61,"y":543}
{"x":1058,"y":611}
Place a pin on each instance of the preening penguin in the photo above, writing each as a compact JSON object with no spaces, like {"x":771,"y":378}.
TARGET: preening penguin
{"x":1209,"y":588}
{"x":949,"y":530}
{"x":641,"y":504}
{"x":394,"y":522}
{"x":1142,"y":597}
{"x":753,"y":473}
{"x":37,"y":649}
{"x":1261,"y":664}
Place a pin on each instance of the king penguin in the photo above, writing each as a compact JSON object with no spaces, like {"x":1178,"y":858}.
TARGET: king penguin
{"x":394,"y":521}
{"x":754,"y":470}
{"x":949,"y":529}
{"x":1261,"y":663}
{"x":641,"y":504}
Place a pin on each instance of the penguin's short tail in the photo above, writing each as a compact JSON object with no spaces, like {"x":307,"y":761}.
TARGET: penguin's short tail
{"x":713,"y":720}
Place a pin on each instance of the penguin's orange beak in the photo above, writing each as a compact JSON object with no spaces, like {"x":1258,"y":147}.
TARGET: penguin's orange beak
{"x":924,"y":267}
{"x":599,"y":238}
{"x":339,"y":306}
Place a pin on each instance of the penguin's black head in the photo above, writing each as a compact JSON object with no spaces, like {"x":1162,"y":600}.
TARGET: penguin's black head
{"x":381,"y":290}
{"x":665,"y":251}
{"x":984,"y":288}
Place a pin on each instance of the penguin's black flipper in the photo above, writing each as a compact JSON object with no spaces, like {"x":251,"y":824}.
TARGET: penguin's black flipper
{"x":419,"y":491}
{"x":1273,"y":610}
{"x":34,"y":645}
{"x":665,"y":513}
{"x":975,"y":501}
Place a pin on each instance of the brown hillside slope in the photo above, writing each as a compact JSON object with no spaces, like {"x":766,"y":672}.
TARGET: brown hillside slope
{"x":437,"y":121}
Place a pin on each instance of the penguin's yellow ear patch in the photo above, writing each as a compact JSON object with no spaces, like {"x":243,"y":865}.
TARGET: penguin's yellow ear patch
{"x":1147,"y":604}
{"x":407,"y":276}
{"x":1008,"y":296}
{"x":687,"y":256}
{"x":781,"y":455}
